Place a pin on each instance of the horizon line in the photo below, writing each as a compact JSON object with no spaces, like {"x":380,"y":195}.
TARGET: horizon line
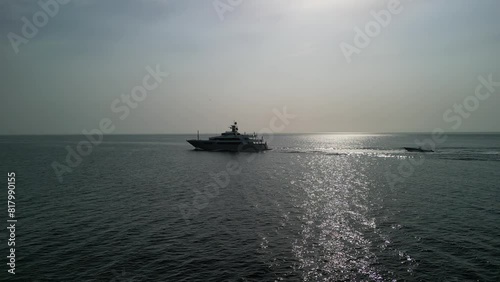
{"x":280,"y":133}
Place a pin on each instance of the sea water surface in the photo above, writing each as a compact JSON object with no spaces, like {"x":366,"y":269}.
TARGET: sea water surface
{"x":318,"y":207}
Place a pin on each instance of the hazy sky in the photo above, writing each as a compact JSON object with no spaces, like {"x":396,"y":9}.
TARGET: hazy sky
{"x":262,"y":55}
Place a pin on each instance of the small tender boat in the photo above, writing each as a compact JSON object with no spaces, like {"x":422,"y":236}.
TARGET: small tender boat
{"x":231,"y":141}
{"x":419,"y":149}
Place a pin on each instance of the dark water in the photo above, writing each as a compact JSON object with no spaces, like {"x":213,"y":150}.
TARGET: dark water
{"x":316,"y":208}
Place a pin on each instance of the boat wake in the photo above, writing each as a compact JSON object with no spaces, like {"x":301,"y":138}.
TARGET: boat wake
{"x":445,"y":154}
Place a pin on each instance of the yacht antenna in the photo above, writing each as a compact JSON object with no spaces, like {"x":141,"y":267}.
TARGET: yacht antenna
{"x":198,"y":134}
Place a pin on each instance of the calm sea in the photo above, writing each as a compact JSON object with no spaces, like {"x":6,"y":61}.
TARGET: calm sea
{"x":318,"y":207}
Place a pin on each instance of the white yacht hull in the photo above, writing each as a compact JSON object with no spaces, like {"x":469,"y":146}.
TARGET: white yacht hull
{"x":207,"y":145}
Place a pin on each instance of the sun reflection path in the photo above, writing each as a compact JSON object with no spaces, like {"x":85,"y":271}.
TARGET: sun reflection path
{"x":333,"y":245}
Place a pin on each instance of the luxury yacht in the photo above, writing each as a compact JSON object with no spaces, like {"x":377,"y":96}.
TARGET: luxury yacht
{"x":231,"y":141}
